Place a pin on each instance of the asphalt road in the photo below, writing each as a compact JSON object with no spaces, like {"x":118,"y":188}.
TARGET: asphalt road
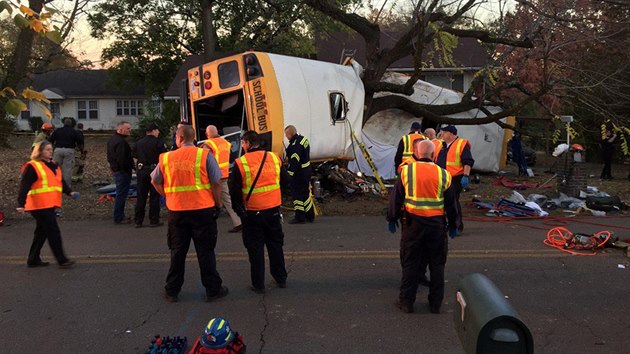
{"x":344,"y":274}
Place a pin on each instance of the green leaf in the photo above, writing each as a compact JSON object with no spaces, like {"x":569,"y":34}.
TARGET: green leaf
{"x":20,"y":21}
{"x":14,"y":107}
{"x":54,"y":36}
{"x":4,"y":5}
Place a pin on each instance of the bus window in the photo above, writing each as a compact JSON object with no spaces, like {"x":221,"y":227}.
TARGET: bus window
{"x":228,"y":74}
{"x":338,"y":107}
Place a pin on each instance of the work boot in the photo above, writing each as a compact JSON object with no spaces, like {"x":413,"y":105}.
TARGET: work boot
{"x":434,"y":308}
{"x":404,"y":307}
{"x":170,"y":298}
{"x":236,"y":229}
{"x":222,"y":292}
{"x":257,"y":290}
{"x":39,"y":263}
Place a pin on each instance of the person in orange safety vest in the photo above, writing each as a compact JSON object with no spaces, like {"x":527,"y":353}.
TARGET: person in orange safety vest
{"x":405,"y":146}
{"x":255,"y":190}
{"x":190,"y":179}
{"x":221,"y":149}
{"x":40,"y":192}
{"x":456,"y":157}
{"x":423,"y":195}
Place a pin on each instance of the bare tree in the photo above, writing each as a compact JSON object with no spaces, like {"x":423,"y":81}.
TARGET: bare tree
{"x":429,"y":20}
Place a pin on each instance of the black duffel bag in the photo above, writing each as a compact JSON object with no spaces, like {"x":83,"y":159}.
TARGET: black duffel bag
{"x":604,"y":203}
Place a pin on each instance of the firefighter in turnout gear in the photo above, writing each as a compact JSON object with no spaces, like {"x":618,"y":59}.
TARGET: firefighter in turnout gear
{"x":405,"y":146}
{"x":298,"y":153}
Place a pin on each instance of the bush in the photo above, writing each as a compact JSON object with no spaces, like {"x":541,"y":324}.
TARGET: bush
{"x":7,"y":126}
{"x":166,"y":120}
{"x":35,"y":123}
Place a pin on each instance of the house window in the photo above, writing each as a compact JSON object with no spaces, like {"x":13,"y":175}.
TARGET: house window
{"x":26,"y":114}
{"x":129,"y":107}
{"x":156,"y":106}
{"x":55,"y":110}
{"x":87,"y":109}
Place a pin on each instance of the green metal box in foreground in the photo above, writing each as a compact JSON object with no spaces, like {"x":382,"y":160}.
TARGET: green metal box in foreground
{"x":486,"y":322}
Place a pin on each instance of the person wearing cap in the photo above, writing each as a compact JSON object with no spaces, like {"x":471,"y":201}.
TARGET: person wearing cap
{"x":43,"y":134}
{"x":455,"y":156}
{"x":147,"y":153}
{"x":405,"y":146}
{"x":221,"y":149}
{"x":66,"y":140}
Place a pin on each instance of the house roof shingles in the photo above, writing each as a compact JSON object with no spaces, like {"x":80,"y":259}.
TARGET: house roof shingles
{"x":468,"y":54}
{"x":83,"y":83}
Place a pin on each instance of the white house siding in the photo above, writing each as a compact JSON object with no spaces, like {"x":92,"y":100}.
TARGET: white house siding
{"x":107,"y":118}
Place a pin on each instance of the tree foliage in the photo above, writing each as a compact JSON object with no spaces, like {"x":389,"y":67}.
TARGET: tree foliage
{"x":433,"y":27}
{"x":578,"y":53}
{"x":150,"y":39}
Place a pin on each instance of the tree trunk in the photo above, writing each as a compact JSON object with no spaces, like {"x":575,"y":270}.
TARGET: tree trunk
{"x":207,"y":28}
{"x":17,"y":77}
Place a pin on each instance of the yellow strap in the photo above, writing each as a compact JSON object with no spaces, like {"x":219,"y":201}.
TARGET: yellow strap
{"x":458,"y":154}
{"x":42,"y":173}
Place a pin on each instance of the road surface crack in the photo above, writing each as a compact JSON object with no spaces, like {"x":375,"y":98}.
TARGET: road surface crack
{"x":262,"y":332}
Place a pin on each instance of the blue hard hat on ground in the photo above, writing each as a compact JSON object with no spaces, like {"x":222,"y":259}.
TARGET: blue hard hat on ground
{"x":217,"y":334}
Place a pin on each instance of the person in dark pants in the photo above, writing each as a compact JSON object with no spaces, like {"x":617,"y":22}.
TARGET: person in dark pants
{"x":66,"y":140}
{"x":298,"y":153}
{"x":423,"y":190}
{"x":121,"y":164}
{"x":40,"y":193}
{"x":190,"y":179}
{"x":608,"y":150}
{"x":255,"y":192}
{"x":456,"y":158}
{"x":147,"y":152}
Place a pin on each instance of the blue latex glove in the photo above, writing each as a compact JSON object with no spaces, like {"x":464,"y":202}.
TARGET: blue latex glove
{"x":76,"y":195}
{"x":465,"y":182}
{"x":452,"y":232}
{"x":392,"y":226}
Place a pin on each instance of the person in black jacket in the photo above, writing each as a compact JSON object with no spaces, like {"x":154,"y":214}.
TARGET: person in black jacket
{"x":147,"y":152}
{"x":66,"y":140}
{"x":121,"y":164}
{"x":298,"y":153}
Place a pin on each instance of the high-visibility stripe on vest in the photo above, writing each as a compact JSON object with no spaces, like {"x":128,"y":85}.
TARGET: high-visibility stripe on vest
{"x":408,"y":143}
{"x":425,"y":183}
{"x":46,"y":191}
{"x":404,"y":163}
{"x":221,"y":151}
{"x":266,"y":193}
{"x":186,"y":182}
{"x":438,"y":146}
{"x":454,"y":163}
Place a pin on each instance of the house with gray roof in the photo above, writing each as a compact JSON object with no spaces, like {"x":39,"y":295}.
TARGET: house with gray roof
{"x":89,"y":96}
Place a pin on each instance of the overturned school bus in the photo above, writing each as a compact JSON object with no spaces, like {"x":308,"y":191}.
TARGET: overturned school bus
{"x":266,"y":92}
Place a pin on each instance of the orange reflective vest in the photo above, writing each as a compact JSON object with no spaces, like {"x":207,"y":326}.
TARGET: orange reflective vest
{"x":454,"y":157}
{"x":46,"y":191}
{"x":438,"y":146}
{"x":405,"y":162}
{"x":221,"y":151}
{"x":408,"y":143}
{"x":425,"y":183}
{"x":186,"y":182}
{"x":266,"y":193}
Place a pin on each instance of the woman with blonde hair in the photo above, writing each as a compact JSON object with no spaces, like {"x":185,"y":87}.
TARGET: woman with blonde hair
{"x":40,"y":193}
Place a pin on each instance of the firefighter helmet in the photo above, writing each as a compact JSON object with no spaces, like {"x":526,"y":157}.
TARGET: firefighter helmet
{"x":47,"y":126}
{"x":217,"y":334}
{"x":577,"y":147}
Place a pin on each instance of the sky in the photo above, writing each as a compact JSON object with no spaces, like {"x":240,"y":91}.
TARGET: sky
{"x":86,"y":47}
